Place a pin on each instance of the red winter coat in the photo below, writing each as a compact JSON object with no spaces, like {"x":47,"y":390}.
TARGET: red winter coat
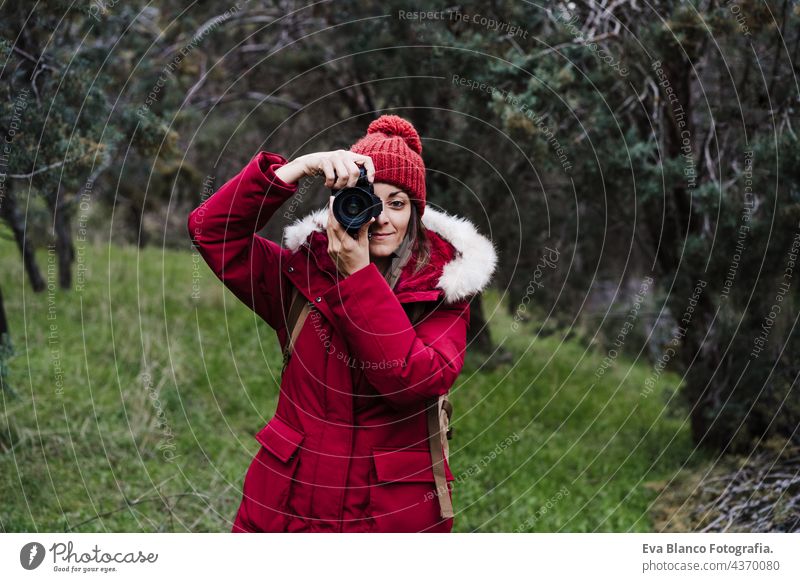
{"x":347,"y":448}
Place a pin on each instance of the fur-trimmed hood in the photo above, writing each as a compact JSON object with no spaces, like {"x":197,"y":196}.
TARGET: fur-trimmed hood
{"x":462,"y":259}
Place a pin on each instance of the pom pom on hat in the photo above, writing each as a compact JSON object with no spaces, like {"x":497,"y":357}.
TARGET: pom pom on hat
{"x":394,"y":125}
{"x":395,"y":149}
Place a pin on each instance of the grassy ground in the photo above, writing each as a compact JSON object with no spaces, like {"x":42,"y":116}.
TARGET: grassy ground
{"x":138,"y":397}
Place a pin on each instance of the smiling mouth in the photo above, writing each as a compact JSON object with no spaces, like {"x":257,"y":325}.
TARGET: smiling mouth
{"x":380,"y":234}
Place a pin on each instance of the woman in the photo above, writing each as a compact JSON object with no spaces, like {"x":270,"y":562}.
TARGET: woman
{"x":347,"y":448}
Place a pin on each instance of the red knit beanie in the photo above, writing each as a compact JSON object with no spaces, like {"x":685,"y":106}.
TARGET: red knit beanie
{"x":395,"y":149}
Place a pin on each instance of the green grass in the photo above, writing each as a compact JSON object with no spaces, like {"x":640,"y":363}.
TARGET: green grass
{"x":152,"y":427}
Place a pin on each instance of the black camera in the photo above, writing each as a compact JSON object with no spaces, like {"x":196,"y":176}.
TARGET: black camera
{"x":353,"y":207}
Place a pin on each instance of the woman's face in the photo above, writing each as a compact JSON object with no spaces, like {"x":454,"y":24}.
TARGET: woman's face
{"x":389,"y":229}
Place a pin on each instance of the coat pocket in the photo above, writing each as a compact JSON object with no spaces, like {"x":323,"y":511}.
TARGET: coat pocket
{"x":269,"y":479}
{"x":403,"y":497}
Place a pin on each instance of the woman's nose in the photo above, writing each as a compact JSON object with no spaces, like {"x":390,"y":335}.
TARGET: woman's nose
{"x":382,"y":218}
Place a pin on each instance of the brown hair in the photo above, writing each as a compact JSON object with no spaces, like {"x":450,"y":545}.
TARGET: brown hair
{"x":418,"y":235}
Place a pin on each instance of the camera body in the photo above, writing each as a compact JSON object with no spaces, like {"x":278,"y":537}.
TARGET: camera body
{"x":352,"y":207}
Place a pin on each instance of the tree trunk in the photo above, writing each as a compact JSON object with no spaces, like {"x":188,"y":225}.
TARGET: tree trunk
{"x":478,"y":336}
{"x":5,"y":349}
{"x":686,"y":222}
{"x":4,"y":331}
{"x":136,"y":221}
{"x":65,"y":250}
{"x":10,"y":213}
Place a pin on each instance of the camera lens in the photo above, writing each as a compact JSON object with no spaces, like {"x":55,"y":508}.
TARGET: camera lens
{"x":353,"y":206}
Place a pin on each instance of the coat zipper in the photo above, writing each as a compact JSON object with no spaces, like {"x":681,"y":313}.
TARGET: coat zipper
{"x":316,"y":262}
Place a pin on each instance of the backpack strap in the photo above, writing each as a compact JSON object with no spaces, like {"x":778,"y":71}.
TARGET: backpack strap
{"x":298,"y":311}
{"x":438,"y":433}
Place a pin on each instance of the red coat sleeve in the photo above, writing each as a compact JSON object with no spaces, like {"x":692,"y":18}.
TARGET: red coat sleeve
{"x":223,"y":229}
{"x":406,"y":364}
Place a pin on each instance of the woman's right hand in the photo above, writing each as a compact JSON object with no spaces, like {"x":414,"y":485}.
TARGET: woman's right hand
{"x":341,"y":168}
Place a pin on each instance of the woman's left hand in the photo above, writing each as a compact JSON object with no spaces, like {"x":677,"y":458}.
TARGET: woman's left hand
{"x":348,"y":254}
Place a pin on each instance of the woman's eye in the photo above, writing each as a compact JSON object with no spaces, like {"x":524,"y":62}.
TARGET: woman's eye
{"x":397,"y":204}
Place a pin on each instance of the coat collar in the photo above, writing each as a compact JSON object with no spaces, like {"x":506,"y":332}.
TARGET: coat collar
{"x":462,"y":260}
